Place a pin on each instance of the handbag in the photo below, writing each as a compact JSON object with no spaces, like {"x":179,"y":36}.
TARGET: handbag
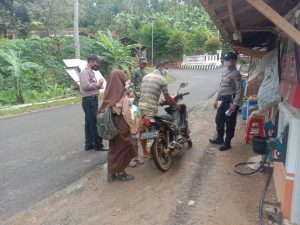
{"x":106,"y":126}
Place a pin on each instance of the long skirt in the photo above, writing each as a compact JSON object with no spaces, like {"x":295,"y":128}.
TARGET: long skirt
{"x":120,"y":148}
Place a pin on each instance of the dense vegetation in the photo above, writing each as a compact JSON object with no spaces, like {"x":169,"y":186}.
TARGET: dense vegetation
{"x":33,"y":40}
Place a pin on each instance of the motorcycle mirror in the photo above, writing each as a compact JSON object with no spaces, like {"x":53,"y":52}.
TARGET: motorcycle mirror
{"x":183,"y":85}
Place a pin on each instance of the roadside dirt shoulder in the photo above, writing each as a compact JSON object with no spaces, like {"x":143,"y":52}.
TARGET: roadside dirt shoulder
{"x":200,"y":188}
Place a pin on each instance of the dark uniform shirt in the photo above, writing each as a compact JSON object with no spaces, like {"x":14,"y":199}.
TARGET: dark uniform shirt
{"x":231,"y":84}
{"x":137,"y":78}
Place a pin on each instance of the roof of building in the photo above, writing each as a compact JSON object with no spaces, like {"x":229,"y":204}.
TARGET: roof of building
{"x":130,"y":41}
{"x":248,"y":24}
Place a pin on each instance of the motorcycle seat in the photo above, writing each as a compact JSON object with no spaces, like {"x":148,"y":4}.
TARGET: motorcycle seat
{"x":164,"y":117}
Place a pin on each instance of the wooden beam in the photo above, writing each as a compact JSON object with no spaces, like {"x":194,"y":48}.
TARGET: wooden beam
{"x":291,"y":13}
{"x":250,"y":52}
{"x":215,"y":5}
{"x":232,"y":21}
{"x":238,"y":12}
{"x":230,"y":12}
{"x":256,"y":29}
{"x":277,"y":19}
{"x":221,"y":16}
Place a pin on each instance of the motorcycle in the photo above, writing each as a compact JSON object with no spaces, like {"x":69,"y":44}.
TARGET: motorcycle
{"x":168,"y":133}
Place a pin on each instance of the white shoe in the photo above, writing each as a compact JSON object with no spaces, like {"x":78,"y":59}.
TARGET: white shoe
{"x":132,"y":163}
{"x":139,"y":161}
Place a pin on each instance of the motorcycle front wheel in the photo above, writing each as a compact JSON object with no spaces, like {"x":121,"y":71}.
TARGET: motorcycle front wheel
{"x":162,"y":156}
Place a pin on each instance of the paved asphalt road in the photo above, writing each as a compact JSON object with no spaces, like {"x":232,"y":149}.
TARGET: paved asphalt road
{"x":42,"y":152}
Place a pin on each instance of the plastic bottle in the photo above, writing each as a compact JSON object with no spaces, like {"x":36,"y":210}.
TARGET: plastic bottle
{"x":228,"y":112}
{"x":244,"y":110}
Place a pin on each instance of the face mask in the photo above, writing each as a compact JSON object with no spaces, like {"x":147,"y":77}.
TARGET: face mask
{"x":164,"y":72}
{"x":227,"y":63}
{"x":96,"y":67}
{"x":130,"y":101}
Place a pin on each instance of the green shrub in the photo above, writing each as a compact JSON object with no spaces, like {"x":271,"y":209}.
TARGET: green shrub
{"x":213,"y":44}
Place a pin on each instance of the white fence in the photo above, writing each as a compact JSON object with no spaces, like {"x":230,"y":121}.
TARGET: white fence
{"x":205,"y":61}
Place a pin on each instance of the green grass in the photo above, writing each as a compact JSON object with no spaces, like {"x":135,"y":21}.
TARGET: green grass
{"x":15,"y":110}
{"x":32,"y":107}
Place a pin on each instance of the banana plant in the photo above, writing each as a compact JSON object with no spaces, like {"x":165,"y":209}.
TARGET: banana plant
{"x":115,"y":53}
{"x":13,"y":66}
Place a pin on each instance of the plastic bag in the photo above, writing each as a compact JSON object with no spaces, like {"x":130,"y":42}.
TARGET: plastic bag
{"x":257,"y":75}
{"x":268,"y":91}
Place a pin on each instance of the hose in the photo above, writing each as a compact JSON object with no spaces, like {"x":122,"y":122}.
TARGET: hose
{"x":263,"y":195}
{"x":246,"y":163}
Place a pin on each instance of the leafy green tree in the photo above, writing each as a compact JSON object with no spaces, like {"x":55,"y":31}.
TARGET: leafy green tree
{"x":14,"y":19}
{"x":176,"y":45}
{"x":123,"y":22}
{"x":213,"y":44}
{"x":55,"y":15}
{"x":197,"y":39}
{"x":161,"y":36}
{"x":179,"y":27}
{"x":115,"y":54}
{"x":138,"y":6}
{"x":99,"y":14}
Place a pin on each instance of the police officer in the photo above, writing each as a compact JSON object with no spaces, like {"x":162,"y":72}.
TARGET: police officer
{"x":89,"y":89}
{"x":137,"y":78}
{"x":230,"y":95}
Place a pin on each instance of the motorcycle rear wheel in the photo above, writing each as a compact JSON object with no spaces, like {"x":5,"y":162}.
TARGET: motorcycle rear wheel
{"x":162,"y":158}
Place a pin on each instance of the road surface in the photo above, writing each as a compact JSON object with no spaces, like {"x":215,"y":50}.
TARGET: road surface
{"x":42,"y":152}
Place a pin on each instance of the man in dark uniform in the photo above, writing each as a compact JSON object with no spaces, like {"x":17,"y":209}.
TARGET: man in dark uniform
{"x":89,"y":89}
{"x":230,"y":94}
{"x":137,"y":77}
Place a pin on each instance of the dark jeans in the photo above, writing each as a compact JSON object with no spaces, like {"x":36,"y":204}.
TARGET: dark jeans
{"x":229,"y":121}
{"x":90,"y":108}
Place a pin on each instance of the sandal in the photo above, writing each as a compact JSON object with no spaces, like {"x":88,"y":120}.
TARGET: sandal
{"x":125,"y":177}
{"x":146,"y":155}
{"x":139,"y":161}
{"x":111,"y":177}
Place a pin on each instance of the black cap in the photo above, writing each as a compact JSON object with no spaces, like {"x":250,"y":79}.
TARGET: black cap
{"x":230,"y":56}
{"x":93,"y":57}
{"x":161,"y":63}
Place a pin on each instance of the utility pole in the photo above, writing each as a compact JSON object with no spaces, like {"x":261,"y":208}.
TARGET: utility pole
{"x":76,"y":30}
{"x":152,"y":46}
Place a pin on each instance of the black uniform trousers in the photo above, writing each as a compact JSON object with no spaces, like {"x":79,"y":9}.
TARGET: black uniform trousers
{"x":90,"y":108}
{"x":229,"y":121}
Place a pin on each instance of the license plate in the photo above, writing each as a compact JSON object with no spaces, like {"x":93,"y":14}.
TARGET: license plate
{"x":150,"y":134}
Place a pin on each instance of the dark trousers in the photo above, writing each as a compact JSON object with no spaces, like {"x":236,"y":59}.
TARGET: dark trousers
{"x":90,"y":108}
{"x":229,"y":121}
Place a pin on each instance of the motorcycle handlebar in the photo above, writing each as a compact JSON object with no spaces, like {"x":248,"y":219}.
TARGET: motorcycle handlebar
{"x":177,"y":97}
{"x":186,"y":93}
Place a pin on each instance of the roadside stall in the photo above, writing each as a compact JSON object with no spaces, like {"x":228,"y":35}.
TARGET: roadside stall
{"x":268,"y":32}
